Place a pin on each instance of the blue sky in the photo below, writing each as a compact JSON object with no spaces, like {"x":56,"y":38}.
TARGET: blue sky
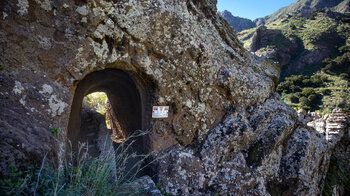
{"x":252,"y":9}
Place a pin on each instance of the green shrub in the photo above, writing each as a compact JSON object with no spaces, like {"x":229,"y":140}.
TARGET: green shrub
{"x":325,"y":91}
{"x":337,"y":65}
{"x":298,"y":94}
{"x":344,"y":76}
{"x":304,"y":101}
{"x":297,"y":79}
{"x":56,"y":131}
{"x":284,"y":86}
{"x":294,"y":89}
{"x":292,"y":27}
{"x":308,"y":91}
{"x":307,"y":82}
{"x":293,"y":99}
{"x":313,"y":99}
{"x":2,"y":66}
{"x":316,"y":82}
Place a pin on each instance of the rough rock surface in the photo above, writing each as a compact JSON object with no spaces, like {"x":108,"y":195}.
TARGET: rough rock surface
{"x":143,"y":186}
{"x":336,"y":128}
{"x":96,"y":136}
{"x":263,"y":37}
{"x":309,"y":116}
{"x":260,"y":151}
{"x":227,"y":132}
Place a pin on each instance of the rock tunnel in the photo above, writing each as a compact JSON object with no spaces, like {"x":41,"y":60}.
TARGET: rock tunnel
{"x":130,"y":97}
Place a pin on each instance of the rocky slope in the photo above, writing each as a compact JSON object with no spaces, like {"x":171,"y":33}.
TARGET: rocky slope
{"x":313,"y":45}
{"x":302,"y":8}
{"x":301,"y":44}
{"x":305,"y":8}
{"x":238,"y":23}
{"x":227,"y":131}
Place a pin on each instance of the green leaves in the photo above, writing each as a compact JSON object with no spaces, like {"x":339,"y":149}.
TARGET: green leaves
{"x":56,"y":131}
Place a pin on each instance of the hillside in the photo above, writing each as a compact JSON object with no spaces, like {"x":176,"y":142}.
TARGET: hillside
{"x":304,"y":8}
{"x":312,"y":47}
{"x":302,"y":44}
{"x":238,"y":23}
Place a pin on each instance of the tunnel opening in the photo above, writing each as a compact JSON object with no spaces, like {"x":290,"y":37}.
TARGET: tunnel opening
{"x":123,"y":110}
{"x":98,"y":103}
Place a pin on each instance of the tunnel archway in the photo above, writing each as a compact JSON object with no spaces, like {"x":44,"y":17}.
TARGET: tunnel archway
{"x":130,"y":96}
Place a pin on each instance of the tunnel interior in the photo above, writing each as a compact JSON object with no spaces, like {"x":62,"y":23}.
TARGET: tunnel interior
{"x":129,"y":98}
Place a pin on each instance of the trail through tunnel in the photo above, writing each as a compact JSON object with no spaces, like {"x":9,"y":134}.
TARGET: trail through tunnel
{"x":125,"y":112}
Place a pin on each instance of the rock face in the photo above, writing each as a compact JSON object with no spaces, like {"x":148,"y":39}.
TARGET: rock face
{"x":309,"y":116}
{"x":238,"y":23}
{"x":259,"y":151}
{"x":336,"y":128}
{"x":227,"y":130}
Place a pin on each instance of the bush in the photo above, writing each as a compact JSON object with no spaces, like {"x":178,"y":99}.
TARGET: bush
{"x":294,"y":89}
{"x":308,"y":91}
{"x":313,"y":99}
{"x":307,"y":82}
{"x":297,"y":79}
{"x":292,"y":27}
{"x":284,"y":86}
{"x":293,"y":99}
{"x":298,"y":94}
{"x":325,"y":91}
{"x":344,"y":76}
{"x":304,"y":101}
{"x":316,"y":82}
{"x":337,"y":65}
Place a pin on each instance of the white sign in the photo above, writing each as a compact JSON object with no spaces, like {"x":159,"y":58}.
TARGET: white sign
{"x":160,"y":111}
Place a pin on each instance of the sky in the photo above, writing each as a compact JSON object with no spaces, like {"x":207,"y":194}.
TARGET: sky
{"x":252,"y":9}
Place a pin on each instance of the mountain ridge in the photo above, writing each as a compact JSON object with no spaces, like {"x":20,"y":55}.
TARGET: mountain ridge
{"x":238,"y":23}
{"x":304,"y":8}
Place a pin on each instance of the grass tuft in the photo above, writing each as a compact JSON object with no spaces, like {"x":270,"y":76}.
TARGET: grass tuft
{"x":81,"y":175}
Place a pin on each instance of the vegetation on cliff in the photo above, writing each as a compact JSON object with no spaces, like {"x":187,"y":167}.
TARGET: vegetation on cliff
{"x":304,"y":7}
{"x":323,"y":33}
{"x":314,"y":53}
{"x":319,"y":92}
